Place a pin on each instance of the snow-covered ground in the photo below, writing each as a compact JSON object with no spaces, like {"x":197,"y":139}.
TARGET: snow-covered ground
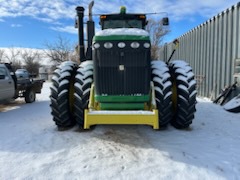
{"x":32,"y":148}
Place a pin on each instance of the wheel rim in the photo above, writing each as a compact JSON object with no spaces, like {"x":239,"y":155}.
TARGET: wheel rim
{"x":31,"y":96}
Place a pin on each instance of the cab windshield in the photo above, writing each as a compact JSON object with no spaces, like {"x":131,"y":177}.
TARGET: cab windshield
{"x":107,"y":24}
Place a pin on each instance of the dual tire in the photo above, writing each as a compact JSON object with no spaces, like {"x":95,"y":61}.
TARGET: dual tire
{"x":175,"y":92}
{"x":70,"y":92}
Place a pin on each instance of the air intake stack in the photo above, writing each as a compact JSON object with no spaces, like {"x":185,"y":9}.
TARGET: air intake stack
{"x":81,"y":48}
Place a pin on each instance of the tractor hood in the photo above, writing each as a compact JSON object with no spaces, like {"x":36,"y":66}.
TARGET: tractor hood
{"x":121,"y":34}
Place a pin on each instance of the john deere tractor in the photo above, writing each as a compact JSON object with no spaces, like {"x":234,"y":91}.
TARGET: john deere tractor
{"x":117,"y":82}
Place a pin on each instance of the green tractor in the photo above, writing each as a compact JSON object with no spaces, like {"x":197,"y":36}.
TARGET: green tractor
{"x":117,"y":83}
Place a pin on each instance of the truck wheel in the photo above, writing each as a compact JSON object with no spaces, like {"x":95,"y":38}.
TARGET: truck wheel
{"x":162,"y":85}
{"x":65,"y":99}
{"x":83,"y":82}
{"x":184,"y":94}
{"x":30,"y":96}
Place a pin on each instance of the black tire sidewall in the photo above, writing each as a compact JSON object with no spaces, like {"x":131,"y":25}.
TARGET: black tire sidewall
{"x":30,"y":96}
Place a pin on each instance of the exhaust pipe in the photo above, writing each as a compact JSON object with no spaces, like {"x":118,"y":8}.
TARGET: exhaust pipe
{"x":81,"y":48}
{"x":90,"y":31}
{"x":90,"y":6}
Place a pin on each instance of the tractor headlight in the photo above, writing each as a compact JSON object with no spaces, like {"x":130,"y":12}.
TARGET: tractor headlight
{"x":96,"y":45}
{"x":146,"y":45}
{"x":135,"y":45}
{"x":108,"y":45}
{"x":121,"y":45}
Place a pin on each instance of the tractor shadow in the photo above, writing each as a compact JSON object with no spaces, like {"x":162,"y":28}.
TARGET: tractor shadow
{"x":211,"y":142}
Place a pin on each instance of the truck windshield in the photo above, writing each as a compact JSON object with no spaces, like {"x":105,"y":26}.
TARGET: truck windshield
{"x":107,"y":24}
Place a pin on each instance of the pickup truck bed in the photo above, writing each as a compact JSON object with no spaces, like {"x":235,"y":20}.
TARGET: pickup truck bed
{"x":12,"y":88}
{"x":27,"y":88}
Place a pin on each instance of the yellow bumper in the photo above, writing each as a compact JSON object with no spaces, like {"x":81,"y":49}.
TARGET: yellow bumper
{"x":121,"y":117}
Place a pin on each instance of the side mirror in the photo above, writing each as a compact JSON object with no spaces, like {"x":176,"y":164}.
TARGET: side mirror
{"x":2,"y":76}
{"x":165,"y":21}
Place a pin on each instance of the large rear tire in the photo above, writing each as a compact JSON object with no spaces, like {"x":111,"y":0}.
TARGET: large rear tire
{"x":62,"y":98}
{"x":184,"y":94}
{"x":83,"y":82}
{"x":163,"y":94}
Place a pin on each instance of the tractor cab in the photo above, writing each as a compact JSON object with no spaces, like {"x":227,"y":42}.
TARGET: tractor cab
{"x":123,"y":20}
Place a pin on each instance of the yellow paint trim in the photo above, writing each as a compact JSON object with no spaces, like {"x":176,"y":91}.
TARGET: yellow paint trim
{"x":91,"y":104}
{"x":94,"y":116}
{"x":121,"y":117}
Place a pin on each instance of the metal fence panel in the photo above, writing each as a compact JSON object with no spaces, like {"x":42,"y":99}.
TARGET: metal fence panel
{"x":212,"y":49}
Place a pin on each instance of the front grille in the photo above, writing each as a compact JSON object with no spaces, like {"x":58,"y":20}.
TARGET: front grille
{"x":121,"y":71}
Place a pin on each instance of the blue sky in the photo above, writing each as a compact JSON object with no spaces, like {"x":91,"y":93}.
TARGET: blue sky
{"x":32,"y":23}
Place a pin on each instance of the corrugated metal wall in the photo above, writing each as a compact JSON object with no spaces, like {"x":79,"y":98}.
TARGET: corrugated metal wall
{"x":213,"y":51}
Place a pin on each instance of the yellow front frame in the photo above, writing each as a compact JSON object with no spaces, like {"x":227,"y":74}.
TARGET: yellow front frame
{"x":94,"y":116}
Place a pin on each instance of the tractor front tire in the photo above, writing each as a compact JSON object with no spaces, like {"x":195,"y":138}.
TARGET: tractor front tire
{"x":54,"y":96}
{"x":184,"y":94}
{"x":162,"y":85}
{"x":62,"y":98}
{"x":83,"y":82}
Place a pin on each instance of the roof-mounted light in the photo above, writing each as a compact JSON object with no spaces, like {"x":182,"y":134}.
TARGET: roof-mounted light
{"x":123,"y":10}
{"x":103,"y":17}
{"x":142,"y":17}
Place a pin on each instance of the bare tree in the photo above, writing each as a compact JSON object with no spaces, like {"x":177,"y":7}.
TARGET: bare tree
{"x":59,"y":51}
{"x":2,"y":55}
{"x":157,"y":31}
{"x":31,"y":59}
{"x":13,"y":58}
{"x":74,"y":55}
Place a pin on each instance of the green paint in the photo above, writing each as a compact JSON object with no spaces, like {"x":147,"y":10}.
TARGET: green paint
{"x":123,"y":99}
{"x":122,"y":106}
{"x":121,"y":38}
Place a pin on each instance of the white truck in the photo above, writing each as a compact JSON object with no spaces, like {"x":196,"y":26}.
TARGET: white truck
{"x":12,"y":87}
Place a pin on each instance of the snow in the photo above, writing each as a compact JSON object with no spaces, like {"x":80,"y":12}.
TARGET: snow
{"x":183,"y":87}
{"x":180,"y":63}
{"x":182,"y":78}
{"x":78,"y":85}
{"x":31,"y":147}
{"x":62,"y":92}
{"x":122,"y":112}
{"x":123,"y":31}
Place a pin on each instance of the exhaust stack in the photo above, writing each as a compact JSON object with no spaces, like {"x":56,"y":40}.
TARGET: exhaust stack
{"x":90,"y":31}
{"x":81,"y":48}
